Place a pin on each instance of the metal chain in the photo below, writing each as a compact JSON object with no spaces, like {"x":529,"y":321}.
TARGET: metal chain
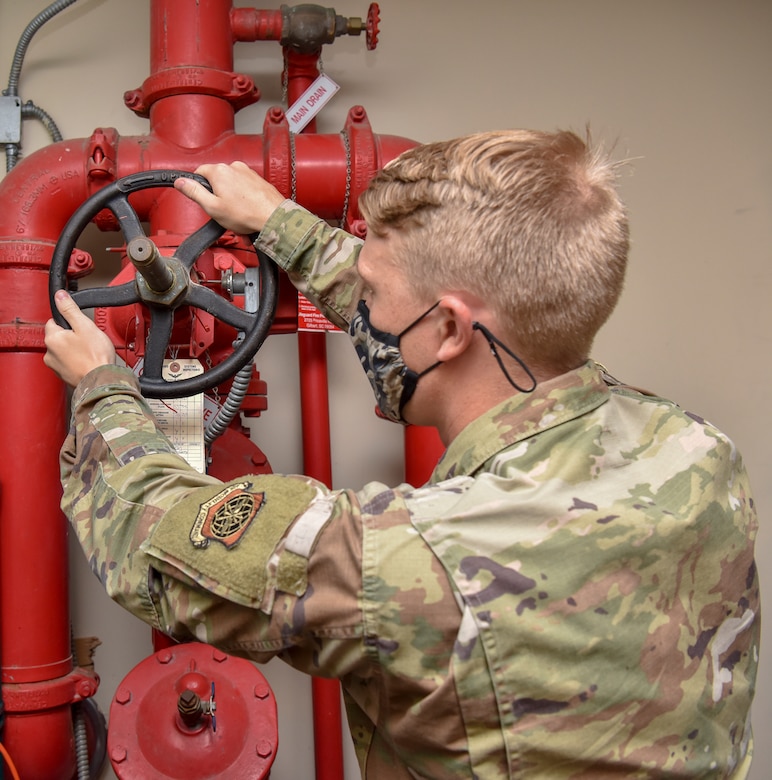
{"x":284,"y":99}
{"x":284,"y":82}
{"x":285,"y":79}
{"x":293,"y":156}
{"x":347,"y":195}
{"x":294,"y":173}
{"x":293,"y":169}
{"x":214,"y":391}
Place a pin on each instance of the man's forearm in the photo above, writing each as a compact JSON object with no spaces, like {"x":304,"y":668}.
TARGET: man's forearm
{"x":320,"y":260}
{"x":120,"y":475}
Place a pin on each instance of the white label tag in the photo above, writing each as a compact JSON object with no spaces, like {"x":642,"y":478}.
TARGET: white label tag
{"x":182,"y":419}
{"x":311,"y":102}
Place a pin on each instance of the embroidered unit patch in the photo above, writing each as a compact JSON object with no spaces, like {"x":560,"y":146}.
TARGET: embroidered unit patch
{"x":225,"y":517}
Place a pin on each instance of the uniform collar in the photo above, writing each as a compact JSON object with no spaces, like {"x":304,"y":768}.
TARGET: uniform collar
{"x":552,"y":403}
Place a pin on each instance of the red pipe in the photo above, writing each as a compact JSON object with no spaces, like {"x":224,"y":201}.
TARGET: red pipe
{"x":312,"y":354}
{"x":34,"y":618}
{"x":423,"y":449}
{"x":317,"y":461}
{"x":190,"y":97}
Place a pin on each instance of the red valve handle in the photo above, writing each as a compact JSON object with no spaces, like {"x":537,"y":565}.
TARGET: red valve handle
{"x":372,"y":25}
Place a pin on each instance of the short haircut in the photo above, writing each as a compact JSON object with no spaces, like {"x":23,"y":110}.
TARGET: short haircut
{"x":529,"y":221}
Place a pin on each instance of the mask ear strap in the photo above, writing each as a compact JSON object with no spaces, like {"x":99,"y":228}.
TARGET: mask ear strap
{"x":493,"y":342}
{"x":417,"y":320}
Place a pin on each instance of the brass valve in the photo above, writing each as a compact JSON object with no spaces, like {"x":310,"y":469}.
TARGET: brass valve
{"x":193,"y":709}
{"x":306,"y":28}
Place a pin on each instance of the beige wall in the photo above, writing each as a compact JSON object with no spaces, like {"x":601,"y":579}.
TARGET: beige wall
{"x":681,"y":86}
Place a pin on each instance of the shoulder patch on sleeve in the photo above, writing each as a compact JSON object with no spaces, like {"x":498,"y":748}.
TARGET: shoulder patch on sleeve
{"x":226,"y":516}
{"x":226,"y":538}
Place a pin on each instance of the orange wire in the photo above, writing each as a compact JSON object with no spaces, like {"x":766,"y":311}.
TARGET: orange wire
{"x":10,"y":763}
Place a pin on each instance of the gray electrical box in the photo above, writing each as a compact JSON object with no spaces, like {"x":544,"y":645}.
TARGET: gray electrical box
{"x":10,"y":119}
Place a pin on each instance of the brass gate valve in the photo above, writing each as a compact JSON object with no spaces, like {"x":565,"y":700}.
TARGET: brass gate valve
{"x":306,"y":27}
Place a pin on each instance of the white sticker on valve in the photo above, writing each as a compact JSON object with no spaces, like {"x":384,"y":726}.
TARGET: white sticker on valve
{"x":182,"y":419}
{"x":311,"y":102}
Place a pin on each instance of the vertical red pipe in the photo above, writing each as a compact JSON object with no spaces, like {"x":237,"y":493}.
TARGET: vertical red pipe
{"x":34,"y":617}
{"x":190,"y":35}
{"x":190,"y":121}
{"x":317,"y":462}
{"x":35,"y":611}
{"x":190,"y":42}
{"x":423,"y":448}
{"x":312,"y":354}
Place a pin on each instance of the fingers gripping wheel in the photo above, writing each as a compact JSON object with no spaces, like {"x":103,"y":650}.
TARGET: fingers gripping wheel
{"x":164,"y":284}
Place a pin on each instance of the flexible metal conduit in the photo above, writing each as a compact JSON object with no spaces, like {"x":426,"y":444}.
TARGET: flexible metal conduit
{"x":29,"y":109}
{"x":231,"y":406}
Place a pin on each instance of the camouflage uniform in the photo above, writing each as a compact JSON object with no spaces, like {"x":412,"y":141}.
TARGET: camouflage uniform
{"x":572,"y":595}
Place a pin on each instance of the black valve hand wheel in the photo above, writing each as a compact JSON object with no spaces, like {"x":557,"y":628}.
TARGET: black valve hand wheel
{"x":164,"y":284}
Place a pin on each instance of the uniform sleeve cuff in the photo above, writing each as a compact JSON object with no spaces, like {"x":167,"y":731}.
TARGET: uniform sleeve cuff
{"x":107,"y":379}
{"x":284,"y":231}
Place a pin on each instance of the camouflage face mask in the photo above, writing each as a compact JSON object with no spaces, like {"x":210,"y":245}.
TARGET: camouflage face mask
{"x":392,"y":381}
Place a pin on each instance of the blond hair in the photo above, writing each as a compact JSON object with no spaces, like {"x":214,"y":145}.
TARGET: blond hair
{"x":529,"y":221}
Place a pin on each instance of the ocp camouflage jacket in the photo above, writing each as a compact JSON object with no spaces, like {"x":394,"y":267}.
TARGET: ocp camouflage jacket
{"x":572,"y":595}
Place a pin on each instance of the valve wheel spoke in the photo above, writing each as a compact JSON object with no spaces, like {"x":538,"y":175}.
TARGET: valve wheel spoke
{"x":120,"y":295}
{"x":209,"y":301}
{"x":127,"y":217}
{"x":195,"y":244}
{"x":159,"y":335}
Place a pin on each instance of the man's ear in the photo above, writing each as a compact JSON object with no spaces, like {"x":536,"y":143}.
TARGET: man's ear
{"x":458,"y":311}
